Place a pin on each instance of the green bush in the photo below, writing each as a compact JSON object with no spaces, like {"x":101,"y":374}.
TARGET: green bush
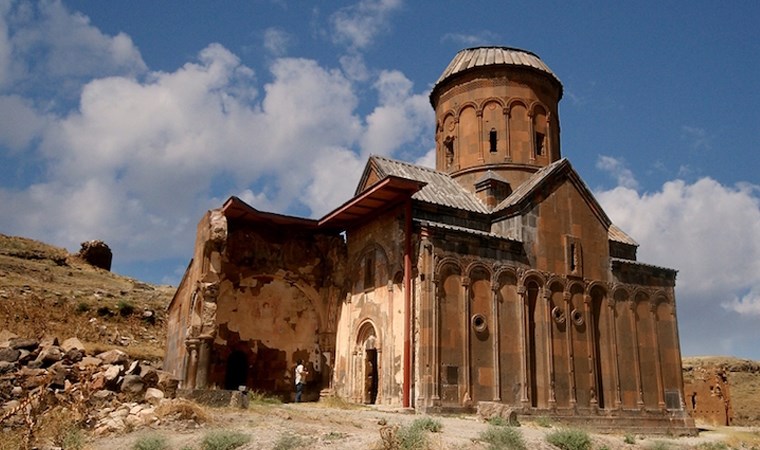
{"x":497,"y":421}
{"x":125,"y":308}
{"x":82,"y":308}
{"x":543,"y":421}
{"x":151,"y":442}
{"x":262,"y":398}
{"x":427,"y":424}
{"x":224,"y":440}
{"x":72,"y":439}
{"x":570,"y":439}
{"x":500,"y":437}
{"x":629,"y":439}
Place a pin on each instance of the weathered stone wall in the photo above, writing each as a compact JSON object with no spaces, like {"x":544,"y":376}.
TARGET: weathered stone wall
{"x":708,"y":395}
{"x":275,"y":305}
{"x":209,"y":242}
{"x":372,"y":317}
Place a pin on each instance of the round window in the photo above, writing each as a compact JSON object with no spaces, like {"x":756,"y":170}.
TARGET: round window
{"x":479,"y":323}
{"x":558,"y":315}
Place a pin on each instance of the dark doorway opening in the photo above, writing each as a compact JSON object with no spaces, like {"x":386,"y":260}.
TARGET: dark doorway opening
{"x":370,"y":376}
{"x":237,"y":370}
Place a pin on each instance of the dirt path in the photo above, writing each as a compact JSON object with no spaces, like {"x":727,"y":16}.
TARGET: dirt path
{"x":316,"y":427}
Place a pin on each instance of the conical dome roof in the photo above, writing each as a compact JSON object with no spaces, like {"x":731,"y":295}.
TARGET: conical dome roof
{"x":477,"y":57}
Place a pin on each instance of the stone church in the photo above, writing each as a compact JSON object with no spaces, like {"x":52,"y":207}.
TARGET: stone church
{"x":495,"y":277}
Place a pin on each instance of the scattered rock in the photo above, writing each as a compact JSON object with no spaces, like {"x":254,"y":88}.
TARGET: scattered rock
{"x":8,"y":354}
{"x":72,"y":343}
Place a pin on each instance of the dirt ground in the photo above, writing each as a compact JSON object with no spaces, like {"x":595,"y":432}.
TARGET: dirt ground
{"x":313,"y":426}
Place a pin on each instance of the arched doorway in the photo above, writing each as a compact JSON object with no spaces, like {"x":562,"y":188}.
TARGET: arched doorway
{"x":237,"y":370}
{"x":368,"y":372}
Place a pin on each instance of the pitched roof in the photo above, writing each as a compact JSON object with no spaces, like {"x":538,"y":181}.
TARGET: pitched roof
{"x":440,"y":188}
{"x":521,"y":196}
{"x":618,"y":235}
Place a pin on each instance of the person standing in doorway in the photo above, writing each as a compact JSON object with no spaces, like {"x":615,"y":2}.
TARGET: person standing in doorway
{"x":300,"y":378}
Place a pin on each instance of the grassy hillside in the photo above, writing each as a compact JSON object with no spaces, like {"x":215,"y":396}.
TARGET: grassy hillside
{"x":45,"y":291}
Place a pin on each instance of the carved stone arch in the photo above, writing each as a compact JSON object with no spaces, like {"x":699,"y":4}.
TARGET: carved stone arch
{"x":517,"y":101}
{"x":535,"y":105}
{"x":621,"y":293}
{"x":488,"y":100}
{"x":643,"y":295}
{"x":367,"y":368}
{"x":478,"y":265}
{"x":556,"y":280}
{"x":448,"y":261}
{"x":597,"y":285}
{"x":660,"y":296}
{"x":359,"y":261}
{"x":532,"y":275}
{"x":465,"y":105}
{"x":499,"y":271}
{"x":365,"y":329}
{"x":373,"y":246}
{"x":576,"y":285}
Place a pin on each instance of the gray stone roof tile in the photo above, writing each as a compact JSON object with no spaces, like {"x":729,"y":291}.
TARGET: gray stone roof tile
{"x":440,"y":188}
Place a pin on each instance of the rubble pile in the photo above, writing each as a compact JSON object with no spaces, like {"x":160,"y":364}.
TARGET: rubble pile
{"x":106,"y":392}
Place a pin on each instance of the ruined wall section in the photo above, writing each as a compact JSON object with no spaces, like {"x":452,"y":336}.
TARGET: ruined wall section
{"x":369,"y":353}
{"x":184,"y":313}
{"x":276,"y":304}
{"x":708,"y":396}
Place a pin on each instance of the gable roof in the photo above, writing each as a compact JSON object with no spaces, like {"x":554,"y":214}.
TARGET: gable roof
{"x":439,"y":188}
{"x":521,"y":197}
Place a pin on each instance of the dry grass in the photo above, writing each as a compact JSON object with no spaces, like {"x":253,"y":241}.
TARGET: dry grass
{"x":183,"y":409}
{"x":44,"y":291}
{"x":742,"y":438}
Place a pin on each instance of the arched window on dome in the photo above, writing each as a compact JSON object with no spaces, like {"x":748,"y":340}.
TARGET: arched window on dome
{"x":539,"y":132}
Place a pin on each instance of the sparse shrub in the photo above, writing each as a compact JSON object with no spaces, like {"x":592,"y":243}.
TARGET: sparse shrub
{"x":72,"y":439}
{"x":427,"y":424}
{"x":497,"y":421}
{"x":261,"y":398}
{"x":410,"y":437}
{"x":151,"y":442}
{"x":224,"y":440}
{"x":570,"y":439}
{"x":288,"y":441}
{"x":105,"y":311}
{"x":543,"y":421}
{"x":501,"y":437}
{"x":125,"y":308}
{"x":713,"y":446}
{"x":82,"y":308}
{"x":660,"y":445}
{"x":333,"y":436}
{"x":629,"y":439}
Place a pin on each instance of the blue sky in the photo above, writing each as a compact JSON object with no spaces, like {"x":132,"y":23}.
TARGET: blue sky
{"x":125,"y":121}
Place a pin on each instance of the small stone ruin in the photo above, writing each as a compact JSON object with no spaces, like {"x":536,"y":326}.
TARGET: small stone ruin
{"x":96,"y":253}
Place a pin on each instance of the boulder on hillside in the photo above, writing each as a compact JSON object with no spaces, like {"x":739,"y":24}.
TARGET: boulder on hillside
{"x":97,"y":254}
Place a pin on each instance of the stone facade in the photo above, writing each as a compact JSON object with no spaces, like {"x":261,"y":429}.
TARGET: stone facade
{"x":496,"y":277}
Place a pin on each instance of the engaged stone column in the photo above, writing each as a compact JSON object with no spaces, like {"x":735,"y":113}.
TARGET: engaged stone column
{"x":191,"y":370}
{"x":204,"y":361}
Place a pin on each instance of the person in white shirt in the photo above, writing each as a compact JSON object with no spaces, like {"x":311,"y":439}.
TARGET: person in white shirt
{"x":299,"y":379}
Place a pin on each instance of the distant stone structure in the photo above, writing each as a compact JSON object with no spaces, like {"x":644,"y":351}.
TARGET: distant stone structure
{"x":495,"y":277}
{"x":96,"y":253}
{"x":708,"y":395}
